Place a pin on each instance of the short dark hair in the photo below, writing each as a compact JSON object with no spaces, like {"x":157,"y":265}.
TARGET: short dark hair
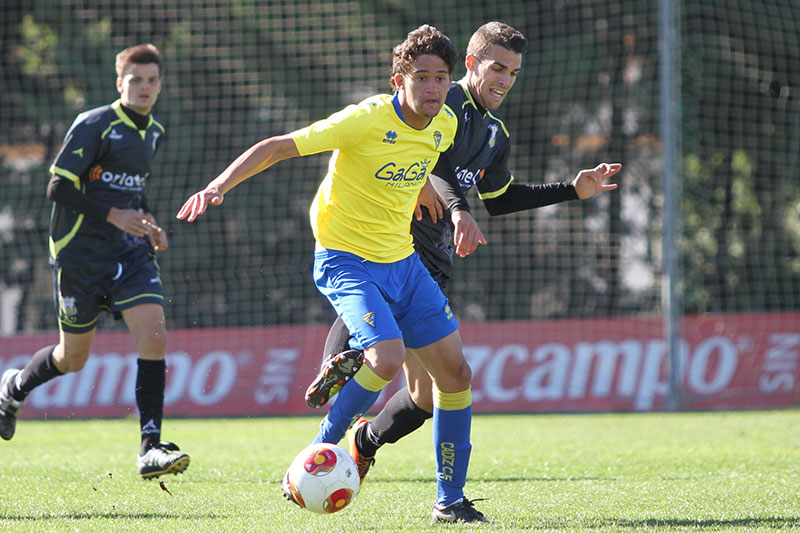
{"x":496,"y":32}
{"x":141,"y":54}
{"x":424,"y":40}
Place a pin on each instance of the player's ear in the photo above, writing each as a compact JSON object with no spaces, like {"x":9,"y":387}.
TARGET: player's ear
{"x":398,"y":81}
{"x":119,"y":85}
{"x":470,"y":62}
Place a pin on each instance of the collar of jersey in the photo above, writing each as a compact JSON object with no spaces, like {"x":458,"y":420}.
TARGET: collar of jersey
{"x":117,"y":107}
{"x":464,"y":87}
{"x":396,"y":105}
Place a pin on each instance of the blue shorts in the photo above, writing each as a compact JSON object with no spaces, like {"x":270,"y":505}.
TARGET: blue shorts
{"x":83,"y":291}
{"x":379,"y":301}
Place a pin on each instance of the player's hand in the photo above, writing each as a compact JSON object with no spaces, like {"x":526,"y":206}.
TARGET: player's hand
{"x":430,"y":199}
{"x":157,"y":236}
{"x":130,"y":221}
{"x":197,"y":204}
{"x":466,"y":234}
{"x":592,"y":181}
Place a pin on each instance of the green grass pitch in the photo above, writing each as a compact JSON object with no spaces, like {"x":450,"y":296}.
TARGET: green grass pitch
{"x":605,"y":472}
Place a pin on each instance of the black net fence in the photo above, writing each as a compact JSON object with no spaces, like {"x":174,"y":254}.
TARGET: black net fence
{"x":237,"y":72}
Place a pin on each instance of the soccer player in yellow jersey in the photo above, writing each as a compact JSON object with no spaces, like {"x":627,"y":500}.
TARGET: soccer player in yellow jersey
{"x":364,"y":261}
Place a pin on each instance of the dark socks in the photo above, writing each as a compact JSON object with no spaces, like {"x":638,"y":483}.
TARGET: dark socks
{"x":151,"y":378}
{"x":338,"y":339}
{"x":40,"y":369}
{"x":399,"y":417}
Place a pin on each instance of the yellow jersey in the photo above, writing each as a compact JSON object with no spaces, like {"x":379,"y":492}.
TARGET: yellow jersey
{"x":379,"y":163}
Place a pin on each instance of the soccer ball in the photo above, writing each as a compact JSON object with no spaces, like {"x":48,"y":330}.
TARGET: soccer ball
{"x":323,"y":478}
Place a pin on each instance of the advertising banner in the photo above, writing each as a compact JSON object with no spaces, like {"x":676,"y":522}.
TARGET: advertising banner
{"x":741,"y":361}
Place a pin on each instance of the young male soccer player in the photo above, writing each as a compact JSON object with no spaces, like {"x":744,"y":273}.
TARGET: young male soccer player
{"x":103,"y":238}
{"x":480,"y":153}
{"x":364,"y":261}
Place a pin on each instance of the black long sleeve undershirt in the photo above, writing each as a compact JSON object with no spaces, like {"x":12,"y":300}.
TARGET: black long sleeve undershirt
{"x":445,"y":181}
{"x":521,"y":197}
{"x":63,"y":191}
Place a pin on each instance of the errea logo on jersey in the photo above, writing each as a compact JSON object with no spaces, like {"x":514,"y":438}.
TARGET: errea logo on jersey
{"x":391,"y":137}
{"x":399,"y":177}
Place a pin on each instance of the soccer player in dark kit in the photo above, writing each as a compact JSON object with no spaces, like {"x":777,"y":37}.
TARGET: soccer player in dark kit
{"x":103,"y":242}
{"x":480,"y":154}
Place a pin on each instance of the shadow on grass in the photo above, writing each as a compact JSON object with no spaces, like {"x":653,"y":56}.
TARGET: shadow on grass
{"x":110,"y":515}
{"x":378,"y":479}
{"x":769,"y":522}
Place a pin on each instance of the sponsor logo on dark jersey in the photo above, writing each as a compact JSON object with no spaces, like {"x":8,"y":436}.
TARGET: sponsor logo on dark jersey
{"x":95,"y":172}
{"x":124,"y":181}
{"x":468,"y":178}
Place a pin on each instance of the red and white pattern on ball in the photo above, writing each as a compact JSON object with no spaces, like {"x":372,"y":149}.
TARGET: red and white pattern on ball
{"x":323,"y":478}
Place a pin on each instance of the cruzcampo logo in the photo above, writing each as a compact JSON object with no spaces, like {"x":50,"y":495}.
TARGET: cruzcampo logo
{"x":437,"y":137}
{"x":369,"y":318}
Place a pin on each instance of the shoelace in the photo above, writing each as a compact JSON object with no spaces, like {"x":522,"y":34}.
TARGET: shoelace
{"x":364,"y":464}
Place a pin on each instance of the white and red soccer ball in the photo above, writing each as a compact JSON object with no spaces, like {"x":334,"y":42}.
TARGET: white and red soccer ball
{"x":323,"y":478}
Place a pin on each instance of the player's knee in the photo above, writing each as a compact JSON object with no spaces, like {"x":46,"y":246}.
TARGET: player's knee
{"x":72,"y":360}
{"x":386,"y":358}
{"x":387,"y":367}
{"x":422,"y":398}
{"x":464,"y":374}
{"x":153,"y":346}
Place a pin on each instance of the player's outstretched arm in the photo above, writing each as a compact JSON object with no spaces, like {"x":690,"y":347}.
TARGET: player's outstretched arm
{"x":589,"y":182}
{"x":258,"y":158}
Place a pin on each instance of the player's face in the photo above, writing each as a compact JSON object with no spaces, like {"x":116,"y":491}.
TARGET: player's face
{"x":423,"y":91}
{"x":489,"y":79}
{"x":139,"y":87}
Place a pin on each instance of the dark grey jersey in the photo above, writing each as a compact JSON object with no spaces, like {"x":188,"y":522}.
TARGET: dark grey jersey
{"x":480,"y":156}
{"x":107,"y":158}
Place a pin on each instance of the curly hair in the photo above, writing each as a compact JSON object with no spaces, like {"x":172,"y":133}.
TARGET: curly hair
{"x":141,"y":54}
{"x":424,"y":40}
{"x":496,"y":33}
